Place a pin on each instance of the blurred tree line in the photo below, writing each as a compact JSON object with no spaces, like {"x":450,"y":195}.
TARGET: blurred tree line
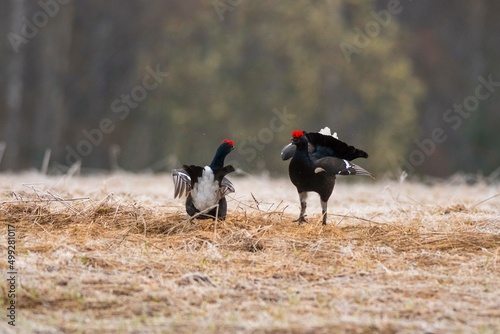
{"x":147,"y":85}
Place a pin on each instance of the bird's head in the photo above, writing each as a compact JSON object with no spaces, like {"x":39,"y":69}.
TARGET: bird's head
{"x":229,"y":143}
{"x":226,"y":147}
{"x":298,"y":136}
{"x":223,"y":150}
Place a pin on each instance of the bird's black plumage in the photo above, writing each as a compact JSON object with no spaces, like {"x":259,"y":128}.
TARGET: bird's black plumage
{"x":320,"y":145}
{"x":329,"y":146}
{"x":206,"y":187}
{"x":316,"y":161}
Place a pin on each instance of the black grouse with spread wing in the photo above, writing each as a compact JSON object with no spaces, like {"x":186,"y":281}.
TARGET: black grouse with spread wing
{"x":316,"y":161}
{"x":206,"y":187}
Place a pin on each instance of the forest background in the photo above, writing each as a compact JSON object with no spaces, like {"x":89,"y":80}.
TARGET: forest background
{"x":148,"y":85}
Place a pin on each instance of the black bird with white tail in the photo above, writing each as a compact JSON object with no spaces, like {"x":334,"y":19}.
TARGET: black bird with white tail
{"x":317,"y":158}
{"x":206,"y":187}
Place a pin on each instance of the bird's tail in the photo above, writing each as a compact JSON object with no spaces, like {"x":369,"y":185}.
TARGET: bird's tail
{"x":353,"y":169}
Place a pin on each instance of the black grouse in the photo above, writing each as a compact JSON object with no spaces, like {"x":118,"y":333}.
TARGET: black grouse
{"x":206,"y":187}
{"x":316,"y":160}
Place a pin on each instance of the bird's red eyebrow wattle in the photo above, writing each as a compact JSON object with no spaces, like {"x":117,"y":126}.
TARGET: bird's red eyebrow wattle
{"x":297,"y":134}
{"x":229,"y":141}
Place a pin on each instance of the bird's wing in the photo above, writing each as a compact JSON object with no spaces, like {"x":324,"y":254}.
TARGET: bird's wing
{"x":182,"y":182}
{"x":222,"y":172}
{"x":288,"y":151}
{"x":329,"y":146}
{"x":337,"y":166}
{"x":226,"y":187}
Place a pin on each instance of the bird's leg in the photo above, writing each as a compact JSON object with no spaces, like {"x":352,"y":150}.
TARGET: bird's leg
{"x":324,"y":206}
{"x":303,"y":205}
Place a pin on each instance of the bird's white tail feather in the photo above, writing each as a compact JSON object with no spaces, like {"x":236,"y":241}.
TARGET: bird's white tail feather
{"x":327,"y":132}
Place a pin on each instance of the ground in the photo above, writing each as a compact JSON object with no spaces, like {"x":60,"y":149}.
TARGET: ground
{"x":117,"y":254}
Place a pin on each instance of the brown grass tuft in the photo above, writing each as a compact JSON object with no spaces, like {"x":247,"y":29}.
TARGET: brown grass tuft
{"x":413,"y":259}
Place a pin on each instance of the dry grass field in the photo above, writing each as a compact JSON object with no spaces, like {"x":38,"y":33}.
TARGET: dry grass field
{"x":116,"y":254}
